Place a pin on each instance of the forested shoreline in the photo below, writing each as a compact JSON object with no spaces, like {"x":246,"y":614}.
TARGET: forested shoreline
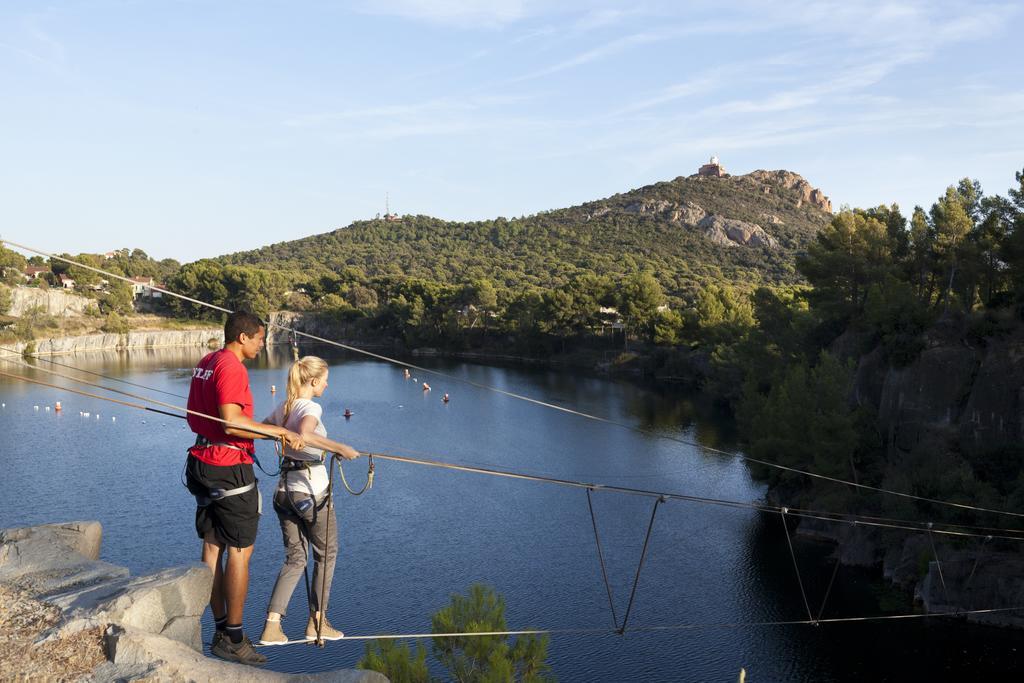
{"x":782,"y":350}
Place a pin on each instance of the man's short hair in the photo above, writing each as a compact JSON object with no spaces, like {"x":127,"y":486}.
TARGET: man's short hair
{"x":241,"y":322}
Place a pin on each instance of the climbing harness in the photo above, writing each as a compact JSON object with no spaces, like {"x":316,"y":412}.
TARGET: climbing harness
{"x":205,"y":495}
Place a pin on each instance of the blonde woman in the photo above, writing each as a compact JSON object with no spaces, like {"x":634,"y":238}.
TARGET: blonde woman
{"x":301,"y":502}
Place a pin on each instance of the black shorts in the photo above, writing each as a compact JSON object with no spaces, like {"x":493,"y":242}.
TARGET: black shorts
{"x":234,"y":519}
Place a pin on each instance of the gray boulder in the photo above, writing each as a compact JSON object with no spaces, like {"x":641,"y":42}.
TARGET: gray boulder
{"x":168,"y":603}
{"x":55,"y":557}
{"x":730,"y":232}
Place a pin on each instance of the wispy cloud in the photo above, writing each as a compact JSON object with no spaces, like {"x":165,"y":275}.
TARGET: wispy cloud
{"x":461,"y":13}
{"x":30,"y":41}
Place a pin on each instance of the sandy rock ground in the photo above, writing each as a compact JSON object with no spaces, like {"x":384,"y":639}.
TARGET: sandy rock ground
{"x":22,"y":620}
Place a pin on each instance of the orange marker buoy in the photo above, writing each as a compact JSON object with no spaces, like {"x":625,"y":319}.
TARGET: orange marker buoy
{"x":273,"y":388}
{"x":56,"y":406}
{"x":426,"y":387}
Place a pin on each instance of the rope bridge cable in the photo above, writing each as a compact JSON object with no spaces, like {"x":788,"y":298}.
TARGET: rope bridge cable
{"x":673,"y":627}
{"x":553,"y":406}
{"x":621,"y":630}
{"x":841,"y":518}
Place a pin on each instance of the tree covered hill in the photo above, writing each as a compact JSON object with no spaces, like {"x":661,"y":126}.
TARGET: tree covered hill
{"x":688,"y":232}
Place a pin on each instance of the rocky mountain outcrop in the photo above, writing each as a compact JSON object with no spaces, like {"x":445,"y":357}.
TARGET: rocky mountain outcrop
{"x":730,"y":232}
{"x":149,"y":624}
{"x":771,"y":180}
{"x":726,"y":213}
{"x":723,"y":231}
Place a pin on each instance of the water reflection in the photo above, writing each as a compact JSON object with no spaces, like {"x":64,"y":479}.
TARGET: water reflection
{"x":421,"y":534}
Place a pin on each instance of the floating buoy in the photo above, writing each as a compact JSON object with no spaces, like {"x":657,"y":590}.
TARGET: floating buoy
{"x":273,"y":388}
{"x":426,"y":387}
{"x":36,"y":407}
{"x":3,"y":405}
{"x":47,"y":408}
{"x":56,"y":406}
{"x":407,"y":375}
{"x":97,"y":416}
{"x":87,"y":414}
{"x":113,"y":419}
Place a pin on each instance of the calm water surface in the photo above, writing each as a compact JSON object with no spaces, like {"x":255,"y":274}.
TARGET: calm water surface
{"x":421,"y":534}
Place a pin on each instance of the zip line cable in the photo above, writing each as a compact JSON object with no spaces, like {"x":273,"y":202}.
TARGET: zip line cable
{"x":760,"y":507}
{"x":660,"y":498}
{"x":521,"y":397}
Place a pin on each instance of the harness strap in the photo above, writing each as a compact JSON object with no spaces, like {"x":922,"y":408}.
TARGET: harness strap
{"x":218,"y":494}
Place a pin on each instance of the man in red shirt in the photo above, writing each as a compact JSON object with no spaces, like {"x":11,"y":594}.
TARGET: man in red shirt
{"x":220,"y":476}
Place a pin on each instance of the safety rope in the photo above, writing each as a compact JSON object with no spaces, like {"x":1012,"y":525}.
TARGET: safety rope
{"x":369,"y":478}
{"x":640,"y":565}
{"x":661,"y":497}
{"x":828,"y":591}
{"x":521,"y":397}
{"x":825,"y":516}
{"x":938,"y":565}
{"x":600,"y":557}
{"x":46,"y":359}
{"x":796,"y":568}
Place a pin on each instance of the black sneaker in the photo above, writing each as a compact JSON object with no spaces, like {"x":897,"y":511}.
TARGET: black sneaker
{"x":242,"y":652}
{"x":217,"y":637}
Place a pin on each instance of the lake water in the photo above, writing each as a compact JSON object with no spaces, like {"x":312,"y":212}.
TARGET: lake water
{"x":422,"y":534}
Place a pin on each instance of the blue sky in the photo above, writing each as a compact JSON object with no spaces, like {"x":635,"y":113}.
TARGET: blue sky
{"x":191,"y":129}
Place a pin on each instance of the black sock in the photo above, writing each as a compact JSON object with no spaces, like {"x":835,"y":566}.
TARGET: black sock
{"x":234,"y":632}
{"x":220,"y":623}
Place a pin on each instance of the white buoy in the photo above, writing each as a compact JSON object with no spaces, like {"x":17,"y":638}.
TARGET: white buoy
{"x":47,"y":408}
{"x":97,"y":416}
{"x":36,"y":407}
{"x":273,"y":388}
{"x":3,"y":405}
{"x":113,"y":419}
{"x":87,"y":414}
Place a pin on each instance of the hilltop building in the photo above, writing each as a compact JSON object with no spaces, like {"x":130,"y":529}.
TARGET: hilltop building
{"x":712,"y":169}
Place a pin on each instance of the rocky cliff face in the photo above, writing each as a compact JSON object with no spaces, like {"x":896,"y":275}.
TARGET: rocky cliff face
{"x":960,"y":399}
{"x":960,"y":394}
{"x":140,"y":339}
{"x":53,"y":302}
{"x":768,"y":180}
{"x":54,"y":580}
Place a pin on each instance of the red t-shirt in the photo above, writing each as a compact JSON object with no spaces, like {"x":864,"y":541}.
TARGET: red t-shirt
{"x":219,"y":379}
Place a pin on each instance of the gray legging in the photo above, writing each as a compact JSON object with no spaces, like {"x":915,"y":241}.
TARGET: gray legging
{"x":298,"y":529}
